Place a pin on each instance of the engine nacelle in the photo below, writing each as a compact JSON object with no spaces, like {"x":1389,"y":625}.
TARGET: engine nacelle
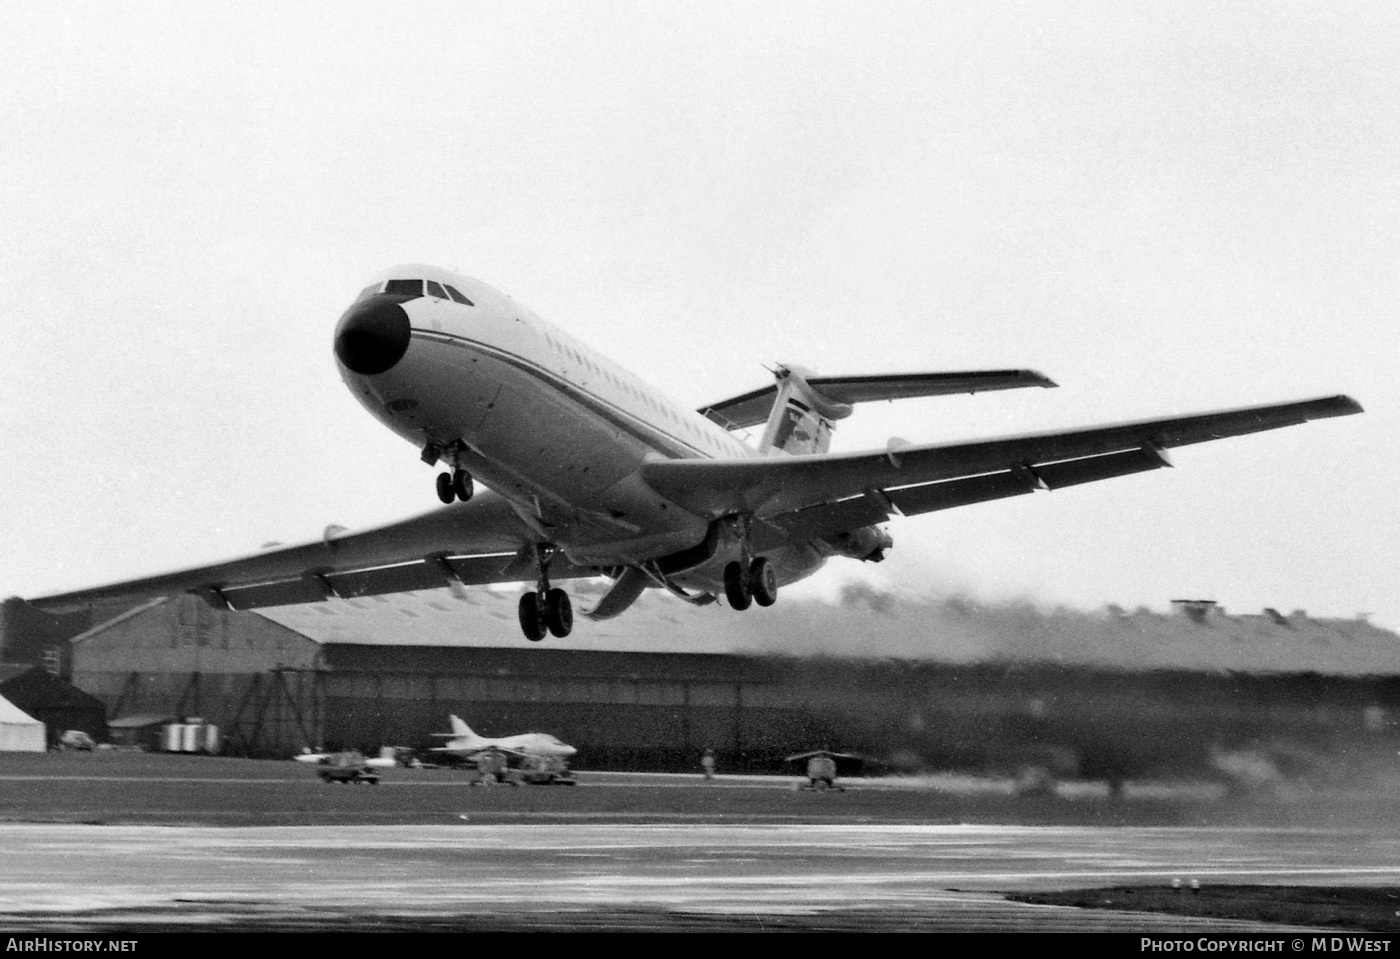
{"x":867,"y":543}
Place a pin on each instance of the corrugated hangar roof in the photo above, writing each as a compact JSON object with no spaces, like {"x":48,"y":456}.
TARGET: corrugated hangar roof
{"x":868,"y":623}
{"x":487,"y":617}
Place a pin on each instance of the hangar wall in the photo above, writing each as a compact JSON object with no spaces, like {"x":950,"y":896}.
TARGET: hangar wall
{"x":660,"y":711}
{"x":272,"y":690}
{"x":623,"y":710}
{"x":254,"y":679}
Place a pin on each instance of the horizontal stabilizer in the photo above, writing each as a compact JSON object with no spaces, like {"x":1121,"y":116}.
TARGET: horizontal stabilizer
{"x":753,"y":408}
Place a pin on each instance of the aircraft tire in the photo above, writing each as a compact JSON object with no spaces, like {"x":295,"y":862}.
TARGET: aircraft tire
{"x":462,"y":484}
{"x":736,"y":587}
{"x":531,"y":622}
{"x":558,"y":613}
{"x":763,"y":582}
{"x":444,"y":488}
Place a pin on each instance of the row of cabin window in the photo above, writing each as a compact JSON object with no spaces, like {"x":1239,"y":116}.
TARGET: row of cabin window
{"x":623,"y":385}
{"x":445,"y":291}
{"x":441,"y":291}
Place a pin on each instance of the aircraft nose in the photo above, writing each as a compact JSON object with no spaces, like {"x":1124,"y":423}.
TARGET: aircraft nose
{"x":372,"y":336}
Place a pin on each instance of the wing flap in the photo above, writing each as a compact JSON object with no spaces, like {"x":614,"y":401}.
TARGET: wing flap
{"x":504,"y":568}
{"x":402,"y":578}
{"x":827,"y":519}
{"x":912,"y":500}
{"x":1089,"y":469}
{"x":948,"y":494}
{"x":289,"y":592}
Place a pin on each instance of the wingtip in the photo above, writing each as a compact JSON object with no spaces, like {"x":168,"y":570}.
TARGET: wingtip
{"x":1339,"y":405}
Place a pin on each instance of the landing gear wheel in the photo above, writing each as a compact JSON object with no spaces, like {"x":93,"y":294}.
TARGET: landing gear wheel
{"x":462,"y":484}
{"x":444,"y":488}
{"x":558,"y":613}
{"x":763,"y":582}
{"x":531,"y":622}
{"x":736,"y":587}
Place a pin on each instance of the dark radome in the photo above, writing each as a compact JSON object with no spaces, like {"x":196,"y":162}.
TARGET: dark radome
{"x":372,"y":336}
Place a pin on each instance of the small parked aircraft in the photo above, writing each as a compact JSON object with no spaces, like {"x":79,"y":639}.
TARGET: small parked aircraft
{"x":463,"y":742}
{"x":593,"y":472}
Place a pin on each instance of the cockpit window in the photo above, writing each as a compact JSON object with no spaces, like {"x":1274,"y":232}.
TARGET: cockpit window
{"x":435,"y":289}
{"x":404,"y":287}
{"x":452,"y":292}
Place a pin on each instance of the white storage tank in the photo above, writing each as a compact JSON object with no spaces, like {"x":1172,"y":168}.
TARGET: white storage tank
{"x":210,"y":740}
{"x":189,"y":737}
{"x":172,"y":735}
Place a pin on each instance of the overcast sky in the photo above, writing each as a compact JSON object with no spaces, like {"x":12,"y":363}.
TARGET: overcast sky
{"x":1165,"y":207}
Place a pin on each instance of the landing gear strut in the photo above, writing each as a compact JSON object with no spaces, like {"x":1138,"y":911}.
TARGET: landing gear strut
{"x":546,"y":610}
{"x":749,"y":579}
{"x":454,"y":485}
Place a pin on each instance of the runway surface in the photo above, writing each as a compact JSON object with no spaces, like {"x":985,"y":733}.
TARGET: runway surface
{"x":615,"y":852}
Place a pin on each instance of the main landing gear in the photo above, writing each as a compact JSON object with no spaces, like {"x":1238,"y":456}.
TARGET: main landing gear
{"x":454,"y":485}
{"x":756,"y":582}
{"x":546,"y":609}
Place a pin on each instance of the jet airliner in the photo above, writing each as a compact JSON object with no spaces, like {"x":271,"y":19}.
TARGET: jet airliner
{"x":589,"y":471}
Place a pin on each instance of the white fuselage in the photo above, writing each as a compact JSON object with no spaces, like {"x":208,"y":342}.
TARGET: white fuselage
{"x":526,"y":744}
{"x":550,"y":424}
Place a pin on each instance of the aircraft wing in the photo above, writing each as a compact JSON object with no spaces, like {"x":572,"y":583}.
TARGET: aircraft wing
{"x":473,"y":753}
{"x":476,"y":542}
{"x":752,"y":408}
{"x":815,"y":495}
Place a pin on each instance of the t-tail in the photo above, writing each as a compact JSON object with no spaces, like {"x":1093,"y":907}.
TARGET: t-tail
{"x":800,"y":421}
{"x":805,"y":405}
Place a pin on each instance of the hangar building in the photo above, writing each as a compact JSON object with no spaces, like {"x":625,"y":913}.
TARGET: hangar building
{"x":59,"y":705}
{"x":914,"y":682}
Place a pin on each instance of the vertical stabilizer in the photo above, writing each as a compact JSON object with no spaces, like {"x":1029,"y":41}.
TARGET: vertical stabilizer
{"x":801,"y":419}
{"x":461,"y":729}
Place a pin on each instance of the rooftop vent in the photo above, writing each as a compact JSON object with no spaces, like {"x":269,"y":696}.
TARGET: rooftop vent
{"x":1196,"y":609}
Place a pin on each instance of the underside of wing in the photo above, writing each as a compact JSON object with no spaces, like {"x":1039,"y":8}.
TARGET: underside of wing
{"x":753,"y":408}
{"x":830,"y":492}
{"x":470,"y":543}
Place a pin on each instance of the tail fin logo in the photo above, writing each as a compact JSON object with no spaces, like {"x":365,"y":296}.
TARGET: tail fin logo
{"x":801,"y":430}
{"x":800,"y":421}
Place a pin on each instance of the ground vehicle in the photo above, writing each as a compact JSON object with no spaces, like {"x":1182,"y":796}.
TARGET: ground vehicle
{"x":76,"y":739}
{"x":544,"y":771}
{"x":347,"y":767}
